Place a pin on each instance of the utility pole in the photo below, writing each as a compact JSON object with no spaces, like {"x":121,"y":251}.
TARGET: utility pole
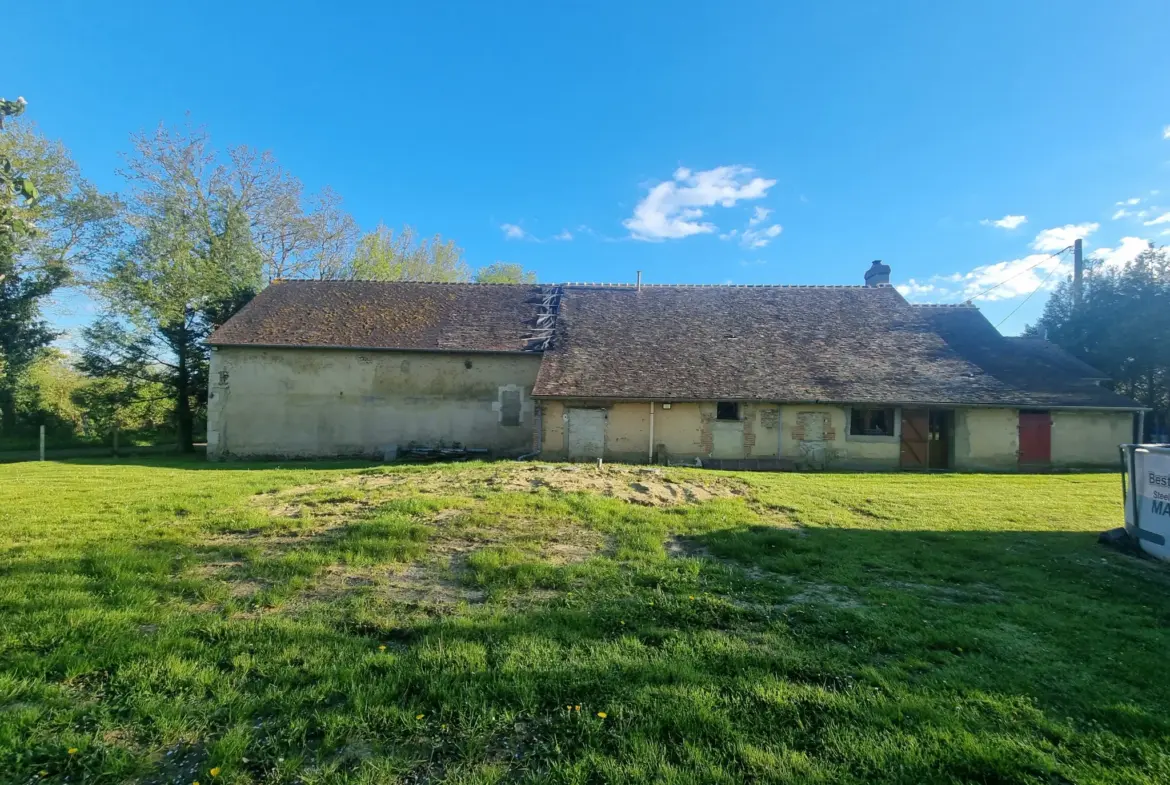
{"x":1078,"y":271}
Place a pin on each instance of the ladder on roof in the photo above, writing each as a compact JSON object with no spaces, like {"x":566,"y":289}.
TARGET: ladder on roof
{"x":545,"y":325}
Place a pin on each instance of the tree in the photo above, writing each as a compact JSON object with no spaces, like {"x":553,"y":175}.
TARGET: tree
{"x":504,"y":272}
{"x":1119,"y":327}
{"x":382,"y":255}
{"x":48,"y":233}
{"x":198,"y":222}
{"x":45,"y":392}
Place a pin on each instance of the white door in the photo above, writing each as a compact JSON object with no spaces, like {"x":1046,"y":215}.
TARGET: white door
{"x":586,"y":433}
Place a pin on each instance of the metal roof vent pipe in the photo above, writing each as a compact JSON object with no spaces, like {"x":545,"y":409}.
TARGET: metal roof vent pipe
{"x":638,"y":285}
{"x":878,"y":274}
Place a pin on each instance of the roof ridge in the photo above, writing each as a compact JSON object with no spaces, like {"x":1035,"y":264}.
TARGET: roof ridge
{"x":374,"y":280}
{"x":966,"y":304}
{"x":594,"y":285}
{"x":624,"y":285}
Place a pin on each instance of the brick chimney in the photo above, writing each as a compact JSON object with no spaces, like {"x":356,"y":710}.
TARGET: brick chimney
{"x":878,"y":274}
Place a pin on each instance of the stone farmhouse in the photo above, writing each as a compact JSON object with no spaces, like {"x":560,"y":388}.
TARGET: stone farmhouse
{"x":758,"y":377}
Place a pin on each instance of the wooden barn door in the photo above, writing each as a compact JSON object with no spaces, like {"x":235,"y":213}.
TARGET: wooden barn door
{"x":915,"y":439}
{"x":1035,"y":439}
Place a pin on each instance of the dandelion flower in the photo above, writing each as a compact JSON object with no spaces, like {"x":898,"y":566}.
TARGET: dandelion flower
{"x":382,"y":647}
{"x":692,"y":596}
{"x":419,"y":716}
{"x":215,"y":772}
{"x":577,"y":707}
{"x":71,"y":751}
{"x":43,"y":773}
{"x":602,"y":714}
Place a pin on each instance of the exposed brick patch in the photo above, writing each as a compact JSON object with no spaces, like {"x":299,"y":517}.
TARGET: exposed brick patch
{"x":770,"y":417}
{"x":749,"y":436}
{"x":706,"y":436}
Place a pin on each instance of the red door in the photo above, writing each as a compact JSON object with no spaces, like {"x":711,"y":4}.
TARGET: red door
{"x":915,"y":439}
{"x":1035,"y":439}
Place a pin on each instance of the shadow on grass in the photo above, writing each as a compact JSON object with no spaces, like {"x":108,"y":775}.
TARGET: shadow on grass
{"x":766,"y":654}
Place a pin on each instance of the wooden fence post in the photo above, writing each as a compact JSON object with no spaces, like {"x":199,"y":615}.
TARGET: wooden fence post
{"x":42,"y":442}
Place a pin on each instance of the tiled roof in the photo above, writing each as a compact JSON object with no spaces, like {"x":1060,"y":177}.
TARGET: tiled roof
{"x":841,"y":344}
{"x":375,"y":315}
{"x":797,"y":344}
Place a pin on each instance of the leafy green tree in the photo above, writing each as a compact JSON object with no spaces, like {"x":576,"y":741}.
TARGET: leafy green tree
{"x":383,"y":255}
{"x":140,"y":410}
{"x":44,"y":393}
{"x":504,"y":272}
{"x":1120,"y":327}
{"x":196,"y":219}
{"x":49,"y":233}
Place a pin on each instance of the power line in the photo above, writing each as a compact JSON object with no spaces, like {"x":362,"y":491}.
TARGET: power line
{"x":1029,"y":297}
{"x":1062,"y":251}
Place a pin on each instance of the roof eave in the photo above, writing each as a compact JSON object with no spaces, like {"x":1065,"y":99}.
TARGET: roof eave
{"x":334,"y":347}
{"x":829,"y":402}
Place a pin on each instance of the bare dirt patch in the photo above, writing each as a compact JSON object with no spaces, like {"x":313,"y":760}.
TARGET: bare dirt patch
{"x":681,"y":548}
{"x":413,"y":584}
{"x":649,"y":486}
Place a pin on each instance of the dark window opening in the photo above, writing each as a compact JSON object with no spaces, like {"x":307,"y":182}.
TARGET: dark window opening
{"x":510,"y":407}
{"x":727,"y":410}
{"x":871,"y":422}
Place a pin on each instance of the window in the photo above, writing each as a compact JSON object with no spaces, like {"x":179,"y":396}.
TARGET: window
{"x":727,"y":410}
{"x":871,"y":422}
{"x":509,"y":407}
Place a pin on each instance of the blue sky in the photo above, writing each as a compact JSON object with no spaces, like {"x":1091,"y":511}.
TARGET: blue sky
{"x":698,"y":142}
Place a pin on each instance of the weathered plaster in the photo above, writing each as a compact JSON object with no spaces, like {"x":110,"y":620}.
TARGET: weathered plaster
{"x":1089,"y":438}
{"x":816,"y":437}
{"x":986,"y":439}
{"x":308,"y":402}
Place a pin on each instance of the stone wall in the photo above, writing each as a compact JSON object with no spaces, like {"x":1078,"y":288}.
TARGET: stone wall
{"x":319,"y":403}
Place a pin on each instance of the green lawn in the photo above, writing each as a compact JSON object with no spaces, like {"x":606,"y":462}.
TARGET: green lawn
{"x":478,"y":623}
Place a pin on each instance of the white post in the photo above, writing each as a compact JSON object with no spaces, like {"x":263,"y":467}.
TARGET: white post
{"x":652,"y":432}
{"x":42,"y":442}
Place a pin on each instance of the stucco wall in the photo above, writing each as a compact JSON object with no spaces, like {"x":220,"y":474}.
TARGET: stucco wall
{"x":986,"y":439}
{"x":307,"y":402}
{"x":679,"y":429}
{"x":684,"y":431}
{"x":800,"y":445}
{"x":1089,"y":438}
{"x":816,"y":437}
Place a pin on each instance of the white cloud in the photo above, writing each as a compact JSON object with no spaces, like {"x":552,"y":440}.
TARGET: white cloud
{"x":914,"y":289}
{"x":729,"y":235}
{"x":564,"y":235}
{"x":1007,"y":222}
{"x":1122,"y":213}
{"x":758,"y":238}
{"x":1123,"y":254}
{"x":1130,"y":202}
{"x":1166,"y":132}
{"x":1164,"y":218}
{"x":1062,"y":236}
{"x":1013,"y":278}
{"x":674,"y":209}
{"x":759,"y":215}
{"x":514,"y":232}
